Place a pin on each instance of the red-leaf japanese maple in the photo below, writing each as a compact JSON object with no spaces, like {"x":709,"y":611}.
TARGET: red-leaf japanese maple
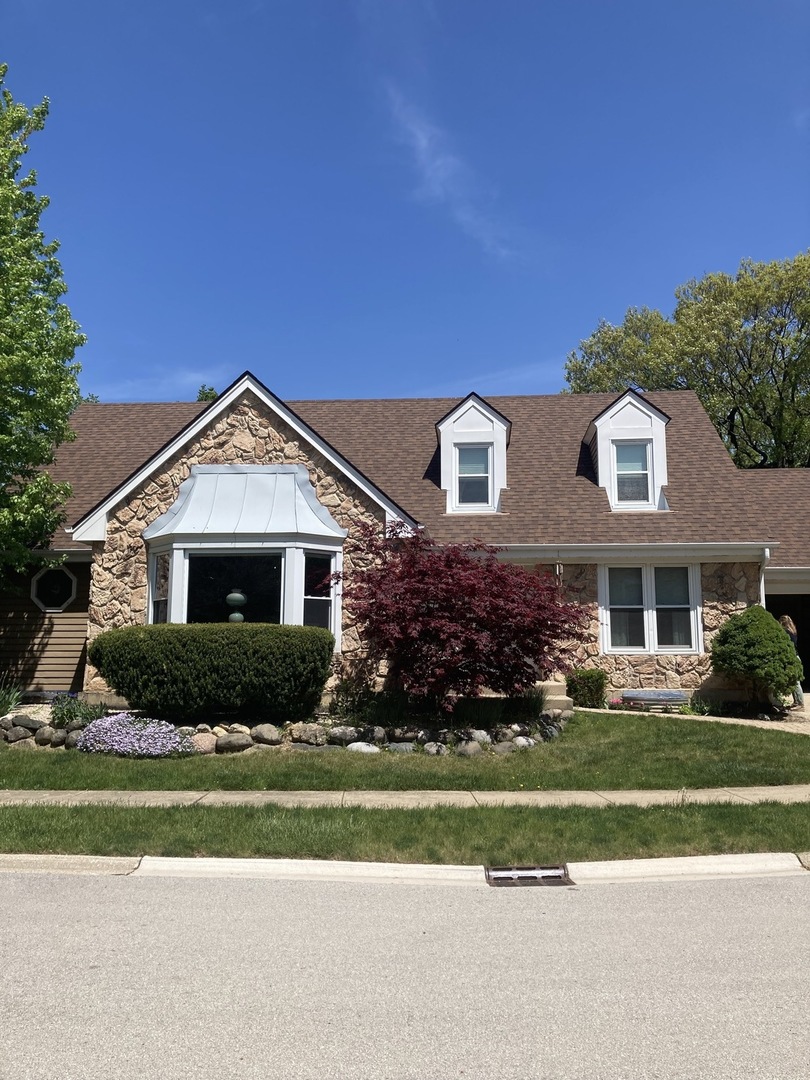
{"x":455,"y":620}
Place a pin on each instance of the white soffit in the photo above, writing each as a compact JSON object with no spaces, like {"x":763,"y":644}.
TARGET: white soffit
{"x":246,"y":500}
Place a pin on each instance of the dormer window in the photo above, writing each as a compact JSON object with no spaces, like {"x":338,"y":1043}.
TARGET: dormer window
{"x":628,"y":446}
{"x":474,"y":473}
{"x":633,"y":472}
{"x":473,"y":438}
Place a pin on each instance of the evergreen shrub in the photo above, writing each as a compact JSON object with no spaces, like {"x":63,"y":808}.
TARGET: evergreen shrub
{"x":179,"y":671}
{"x":753,"y":647}
{"x":586,"y":687}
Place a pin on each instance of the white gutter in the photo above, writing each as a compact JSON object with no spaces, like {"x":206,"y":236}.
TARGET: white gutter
{"x":759,"y":552}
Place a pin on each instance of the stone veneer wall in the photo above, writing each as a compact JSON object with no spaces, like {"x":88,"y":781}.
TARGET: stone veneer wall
{"x":250,"y":434}
{"x":726,"y":588}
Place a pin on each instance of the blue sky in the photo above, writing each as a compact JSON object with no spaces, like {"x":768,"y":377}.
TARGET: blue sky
{"x":396,"y":198}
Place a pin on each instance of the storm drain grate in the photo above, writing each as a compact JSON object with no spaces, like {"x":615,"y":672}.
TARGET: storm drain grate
{"x":505,"y":876}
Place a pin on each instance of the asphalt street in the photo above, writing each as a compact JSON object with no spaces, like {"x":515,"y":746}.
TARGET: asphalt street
{"x":178,"y":978}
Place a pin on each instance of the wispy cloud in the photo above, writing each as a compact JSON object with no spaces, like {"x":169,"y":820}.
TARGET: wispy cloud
{"x":175,"y":385}
{"x":445,"y":178}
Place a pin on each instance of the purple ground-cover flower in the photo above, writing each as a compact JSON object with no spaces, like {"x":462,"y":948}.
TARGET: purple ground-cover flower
{"x":133,"y":736}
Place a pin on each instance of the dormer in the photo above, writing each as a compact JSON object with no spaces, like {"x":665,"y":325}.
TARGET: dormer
{"x":472,"y":443}
{"x":629,"y":452}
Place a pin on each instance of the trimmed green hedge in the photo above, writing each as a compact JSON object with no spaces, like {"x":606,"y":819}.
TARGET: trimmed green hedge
{"x":752,"y":646}
{"x":586,"y":687}
{"x":182,"y":671}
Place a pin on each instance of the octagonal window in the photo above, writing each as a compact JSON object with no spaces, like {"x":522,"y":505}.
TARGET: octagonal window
{"x":53,"y":589}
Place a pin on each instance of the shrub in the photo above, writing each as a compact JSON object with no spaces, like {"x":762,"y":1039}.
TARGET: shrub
{"x":67,"y":707}
{"x":753,"y":647}
{"x":453,"y":620}
{"x":182,"y":671}
{"x":586,"y":687}
{"x":126,"y":735}
{"x":10,"y":695}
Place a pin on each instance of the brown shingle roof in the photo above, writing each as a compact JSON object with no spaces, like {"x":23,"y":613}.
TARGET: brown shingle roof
{"x":551,"y":498}
{"x":780,"y":500}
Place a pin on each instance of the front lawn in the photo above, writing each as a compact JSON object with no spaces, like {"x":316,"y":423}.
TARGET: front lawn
{"x":489,"y":835}
{"x":595,"y":751}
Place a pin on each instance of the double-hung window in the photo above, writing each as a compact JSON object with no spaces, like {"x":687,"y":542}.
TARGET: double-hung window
{"x":650,"y":609}
{"x":474,"y":476}
{"x":632,"y":473}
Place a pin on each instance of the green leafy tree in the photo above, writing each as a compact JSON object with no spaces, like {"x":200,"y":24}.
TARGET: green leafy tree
{"x":38,"y":340}
{"x":207,"y":393}
{"x":753,"y":647}
{"x":741,"y":343}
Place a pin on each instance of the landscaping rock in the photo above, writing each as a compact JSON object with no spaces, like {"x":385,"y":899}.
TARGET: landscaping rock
{"x":233,"y":742}
{"x":479,"y":736}
{"x":523,"y":742}
{"x":343,"y":734}
{"x":520,"y":729}
{"x":266,"y":734}
{"x":17,"y":734}
{"x":436,"y":749}
{"x":75,"y":725}
{"x":30,"y":723}
{"x":469,"y":748}
{"x":71,"y":738}
{"x":405,"y":734}
{"x":6,"y":723}
{"x":186,"y":731}
{"x":58,"y":738}
{"x":203,"y":729}
{"x":424,"y":735}
{"x":219,"y":731}
{"x":401,"y":747}
{"x":375,"y":734}
{"x":204,"y":742}
{"x":363,"y":748}
{"x":446,"y":736}
{"x":503,"y":734}
{"x":314,"y":734}
{"x":238,"y":729}
{"x":505,"y":747}
{"x":23,"y":744}
{"x":43,"y":736}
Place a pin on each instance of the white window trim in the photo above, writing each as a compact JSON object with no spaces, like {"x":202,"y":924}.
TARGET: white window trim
{"x":67,"y":603}
{"x":650,"y":624}
{"x":292,"y":577}
{"x":473,"y":508}
{"x":624,"y":504}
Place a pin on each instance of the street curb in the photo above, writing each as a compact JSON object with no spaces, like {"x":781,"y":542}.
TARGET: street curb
{"x":696,"y":867}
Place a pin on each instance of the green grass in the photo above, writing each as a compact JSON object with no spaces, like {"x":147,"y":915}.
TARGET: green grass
{"x":603,"y":751}
{"x":490,"y":835}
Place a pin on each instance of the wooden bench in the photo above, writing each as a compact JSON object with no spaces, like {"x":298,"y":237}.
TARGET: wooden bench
{"x":655,"y":699}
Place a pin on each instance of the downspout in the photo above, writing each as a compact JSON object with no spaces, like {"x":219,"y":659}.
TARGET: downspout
{"x":766,"y":558}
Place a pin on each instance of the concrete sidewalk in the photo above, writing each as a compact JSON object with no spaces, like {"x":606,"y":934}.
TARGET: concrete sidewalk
{"x":792,"y":793}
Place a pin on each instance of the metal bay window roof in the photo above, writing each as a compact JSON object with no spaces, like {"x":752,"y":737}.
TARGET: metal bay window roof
{"x":246,"y":500}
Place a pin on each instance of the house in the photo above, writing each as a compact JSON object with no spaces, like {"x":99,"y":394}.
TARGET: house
{"x":181,"y":511}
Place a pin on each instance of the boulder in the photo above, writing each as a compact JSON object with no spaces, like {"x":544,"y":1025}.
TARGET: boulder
{"x":314,"y":734}
{"x":436,"y":749}
{"x":266,"y":734}
{"x":523,"y":742}
{"x":30,"y":723}
{"x":23,"y":744}
{"x":479,"y":736}
{"x":43,"y":736}
{"x":75,"y":725}
{"x":405,"y":734}
{"x":401,"y":747}
{"x":18,"y":733}
{"x":219,"y":731}
{"x":204,"y":729}
{"x":363,"y":748}
{"x":71,"y":738}
{"x":469,"y":748}
{"x":186,"y":731}
{"x":233,"y":742}
{"x":505,"y":747}
{"x":58,"y":738}
{"x":343,"y":734}
{"x":503,"y":734}
{"x":238,"y":729}
{"x":6,"y":722}
{"x":204,"y":742}
{"x":374,"y":734}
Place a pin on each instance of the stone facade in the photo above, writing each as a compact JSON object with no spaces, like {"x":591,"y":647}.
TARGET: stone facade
{"x":249,"y":434}
{"x":725,"y":587}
